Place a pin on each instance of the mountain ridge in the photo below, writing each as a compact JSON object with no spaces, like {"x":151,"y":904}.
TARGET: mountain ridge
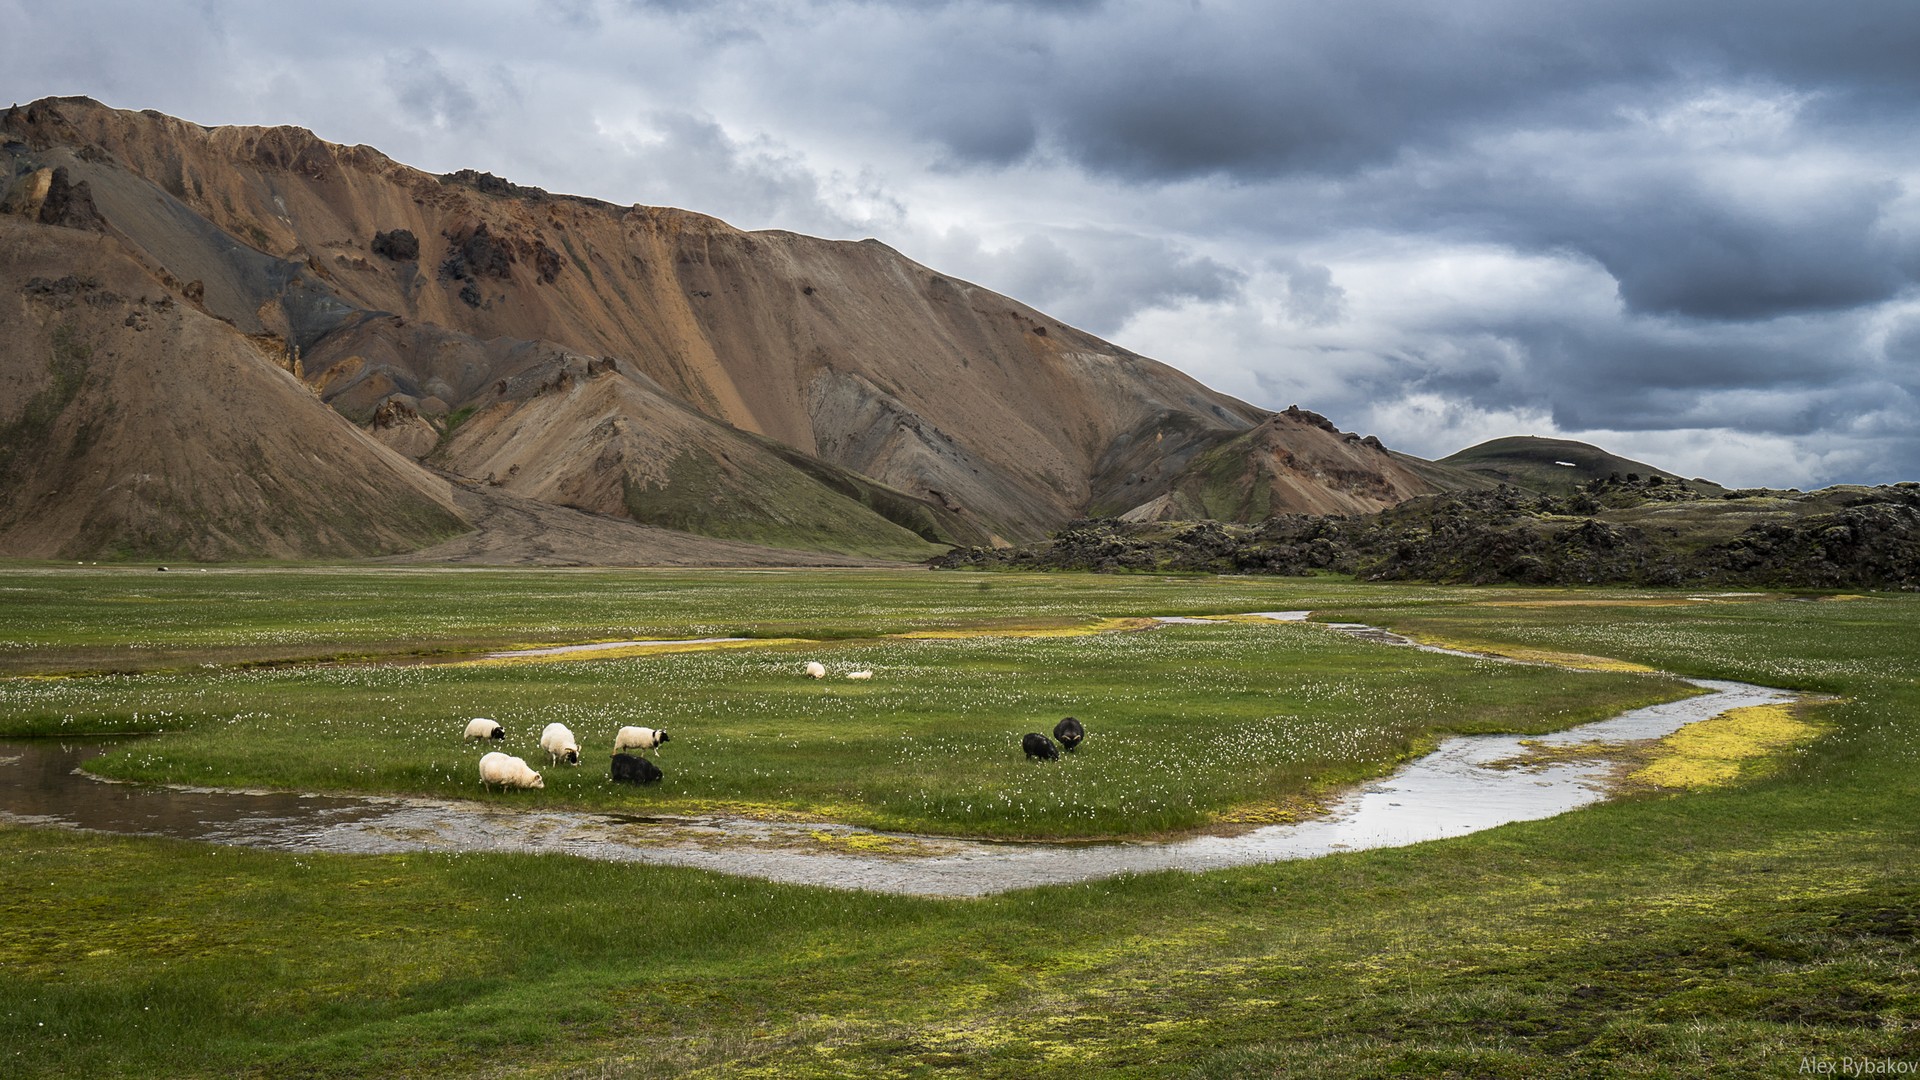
{"x":414,"y":304}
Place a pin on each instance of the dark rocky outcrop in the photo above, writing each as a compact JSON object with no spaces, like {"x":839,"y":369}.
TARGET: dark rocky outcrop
{"x":400,"y":245}
{"x":1870,"y":539}
{"x":476,"y":253}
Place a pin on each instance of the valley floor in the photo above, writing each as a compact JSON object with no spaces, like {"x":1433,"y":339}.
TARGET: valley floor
{"x":1742,"y":929}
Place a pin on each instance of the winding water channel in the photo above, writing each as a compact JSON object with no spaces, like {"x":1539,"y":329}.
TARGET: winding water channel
{"x":1457,"y":789}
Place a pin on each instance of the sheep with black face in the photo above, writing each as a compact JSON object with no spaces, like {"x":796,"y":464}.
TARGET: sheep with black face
{"x":482,"y":728}
{"x":638,"y":738}
{"x":559,"y":744}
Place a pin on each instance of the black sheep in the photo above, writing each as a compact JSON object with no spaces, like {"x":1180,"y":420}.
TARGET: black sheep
{"x":1039,"y":746}
{"x":630,"y":769}
{"x":1069,"y":732}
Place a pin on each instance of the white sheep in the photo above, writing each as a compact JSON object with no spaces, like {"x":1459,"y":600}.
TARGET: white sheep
{"x":559,"y":744}
{"x":638,"y":738}
{"x":860,"y":675}
{"x":482,"y":728}
{"x":508,"y":771}
{"x":816,"y":670}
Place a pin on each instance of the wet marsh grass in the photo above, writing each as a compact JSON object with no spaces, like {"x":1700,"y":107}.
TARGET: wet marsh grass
{"x":127,"y":618}
{"x":1741,"y":930}
{"x":1188,"y":725}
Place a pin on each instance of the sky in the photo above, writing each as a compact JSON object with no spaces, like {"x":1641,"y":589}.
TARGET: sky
{"x":1686,"y":232}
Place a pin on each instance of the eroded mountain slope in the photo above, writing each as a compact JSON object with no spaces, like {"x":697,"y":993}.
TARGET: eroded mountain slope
{"x":847,"y":352}
{"x":131,"y":422}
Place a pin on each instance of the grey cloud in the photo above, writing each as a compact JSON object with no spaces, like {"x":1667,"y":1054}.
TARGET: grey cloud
{"x":1674,"y":246}
{"x":1098,"y":280}
{"x":1642,"y":376}
{"x":752,"y":182}
{"x":1681,"y":254}
{"x":1152,"y":92}
{"x":428,"y":92}
{"x":1312,"y":297}
{"x":577,"y":14}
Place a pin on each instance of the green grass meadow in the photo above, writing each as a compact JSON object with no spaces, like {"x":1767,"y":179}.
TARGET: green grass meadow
{"x":1747,"y":930}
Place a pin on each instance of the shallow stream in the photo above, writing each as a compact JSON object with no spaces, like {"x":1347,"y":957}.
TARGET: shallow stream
{"x":1459,"y":788}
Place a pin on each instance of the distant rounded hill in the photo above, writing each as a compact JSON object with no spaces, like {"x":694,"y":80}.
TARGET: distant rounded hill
{"x":1556,"y":466}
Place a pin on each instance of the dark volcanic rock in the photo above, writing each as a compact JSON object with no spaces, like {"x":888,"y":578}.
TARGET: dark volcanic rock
{"x":70,"y":205}
{"x":1506,"y":535}
{"x":399,"y":245}
{"x":476,"y":253}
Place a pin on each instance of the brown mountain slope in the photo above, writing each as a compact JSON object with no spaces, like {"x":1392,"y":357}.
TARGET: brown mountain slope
{"x":847,"y":352}
{"x":132,"y":423}
{"x":1294,"y":462}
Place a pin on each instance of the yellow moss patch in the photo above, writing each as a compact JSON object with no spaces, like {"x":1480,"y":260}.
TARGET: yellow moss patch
{"x":871,"y":843}
{"x":1715,"y":752}
{"x":1279,"y":813}
{"x":1102,"y":626}
{"x":1527,"y":654}
{"x":634,"y":650}
{"x":1539,"y":754}
{"x":741,"y":808}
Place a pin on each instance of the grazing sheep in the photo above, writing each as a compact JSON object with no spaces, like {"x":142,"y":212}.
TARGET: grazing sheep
{"x":628,"y":769}
{"x":862,"y":675}
{"x":638,"y":738}
{"x":507,"y":771}
{"x":1039,"y":746}
{"x":1069,"y":732}
{"x":558,"y":742}
{"x":482,"y":728}
{"x":816,"y":670}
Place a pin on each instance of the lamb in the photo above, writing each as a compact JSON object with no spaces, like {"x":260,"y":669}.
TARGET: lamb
{"x":860,"y":675}
{"x":482,"y":728}
{"x":628,"y":769}
{"x":638,"y":738}
{"x":558,"y":742}
{"x":816,"y":670}
{"x":1039,"y":746}
{"x":1069,"y":732}
{"x":507,"y":771}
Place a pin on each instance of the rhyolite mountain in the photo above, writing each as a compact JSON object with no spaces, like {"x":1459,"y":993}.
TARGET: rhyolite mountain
{"x":246,"y":341}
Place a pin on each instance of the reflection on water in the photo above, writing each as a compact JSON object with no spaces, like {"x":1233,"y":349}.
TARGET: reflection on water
{"x":1450,"y":792}
{"x":604,"y":646}
{"x":1455,"y":790}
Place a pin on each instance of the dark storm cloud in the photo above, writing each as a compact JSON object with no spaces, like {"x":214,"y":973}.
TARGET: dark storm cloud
{"x":1366,"y":97}
{"x":1159,"y":91}
{"x":1678,"y":237}
{"x":1711,"y":263}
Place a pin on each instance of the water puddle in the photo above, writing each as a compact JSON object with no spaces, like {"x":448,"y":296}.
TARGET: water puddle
{"x":1466,"y":784}
{"x":604,"y":646}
